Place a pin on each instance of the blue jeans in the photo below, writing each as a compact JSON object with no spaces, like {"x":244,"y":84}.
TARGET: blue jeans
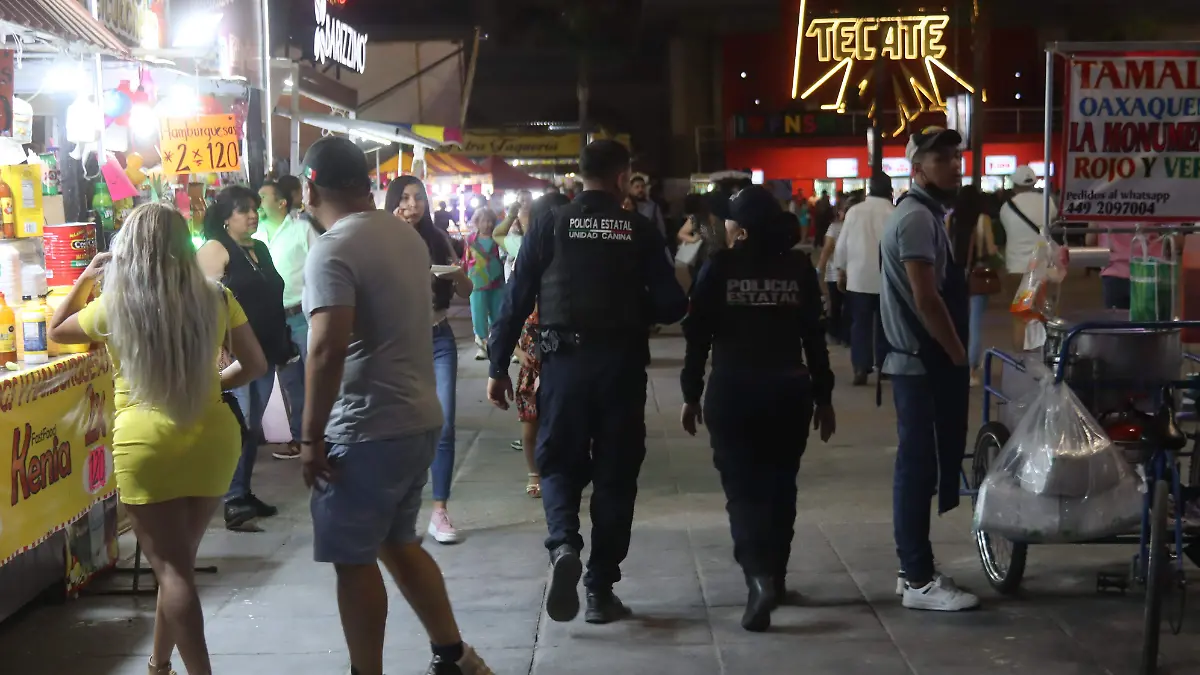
{"x":979,"y":305}
{"x":931,"y":426}
{"x":445,"y":368}
{"x":291,"y":376}
{"x":868,"y":344}
{"x":1115,"y":291}
{"x":253,"y":400}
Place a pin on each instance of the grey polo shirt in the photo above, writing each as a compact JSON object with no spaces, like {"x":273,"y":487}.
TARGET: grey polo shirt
{"x":913,"y":232}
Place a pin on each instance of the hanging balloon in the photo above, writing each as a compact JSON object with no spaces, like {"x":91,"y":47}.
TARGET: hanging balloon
{"x":211,"y":105}
{"x":116,"y":106}
{"x":239,"y":117}
{"x":126,"y":90}
{"x":133,"y":169}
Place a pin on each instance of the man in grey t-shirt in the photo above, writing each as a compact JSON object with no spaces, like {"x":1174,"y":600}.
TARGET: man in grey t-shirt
{"x":371,"y":416}
{"x":924,"y":312}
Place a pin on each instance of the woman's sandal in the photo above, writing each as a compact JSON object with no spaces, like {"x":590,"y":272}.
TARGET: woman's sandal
{"x":534,"y":490}
{"x":164,"y":669}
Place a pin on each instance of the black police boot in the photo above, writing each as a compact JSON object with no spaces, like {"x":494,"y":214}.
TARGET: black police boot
{"x":562,"y":602}
{"x":239,"y":514}
{"x":761,"y":600}
{"x":603,"y":606}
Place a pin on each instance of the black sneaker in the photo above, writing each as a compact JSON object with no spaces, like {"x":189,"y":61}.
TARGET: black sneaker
{"x":469,"y":664}
{"x":240,"y":514}
{"x":605,"y":607}
{"x":263,"y":510}
{"x":562,"y":601}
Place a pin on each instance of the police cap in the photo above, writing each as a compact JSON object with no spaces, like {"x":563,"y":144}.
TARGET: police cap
{"x":754,"y":206}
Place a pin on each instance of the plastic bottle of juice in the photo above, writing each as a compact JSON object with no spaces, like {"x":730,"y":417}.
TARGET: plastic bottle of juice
{"x":8,"y":333}
{"x":8,"y":212}
{"x":33,"y":331}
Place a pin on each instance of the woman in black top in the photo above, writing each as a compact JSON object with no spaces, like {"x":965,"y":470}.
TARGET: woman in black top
{"x":408,"y":201}
{"x":243,"y":264}
{"x":762,"y":394}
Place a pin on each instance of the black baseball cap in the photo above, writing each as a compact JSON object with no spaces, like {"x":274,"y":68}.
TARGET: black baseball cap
{"x":754,"y":206}
{"x":930,"y":138}
{"x":336,"y":163}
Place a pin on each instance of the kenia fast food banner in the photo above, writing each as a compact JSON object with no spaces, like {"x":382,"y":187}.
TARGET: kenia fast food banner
{"x":1132,"y":146}
{"x":54,"y":436}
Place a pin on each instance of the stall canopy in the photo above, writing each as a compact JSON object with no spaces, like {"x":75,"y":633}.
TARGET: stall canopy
{"x":439,"y":164}
{"x":375,"y":131}
{"x":62,"y":19}
{"x":505,"y":177}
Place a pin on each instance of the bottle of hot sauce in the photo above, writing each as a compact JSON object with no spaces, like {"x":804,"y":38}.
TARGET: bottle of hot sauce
{"x":8,"y":216}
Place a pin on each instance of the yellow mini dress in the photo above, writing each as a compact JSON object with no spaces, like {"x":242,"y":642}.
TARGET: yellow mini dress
{"x":155,"y":459}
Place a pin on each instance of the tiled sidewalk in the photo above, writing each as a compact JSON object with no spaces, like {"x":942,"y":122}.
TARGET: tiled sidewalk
{"x":272,"y":611}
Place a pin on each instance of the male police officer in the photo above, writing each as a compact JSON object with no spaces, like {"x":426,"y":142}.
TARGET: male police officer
{"x":600,"y":277}
{"x":925,"y":315}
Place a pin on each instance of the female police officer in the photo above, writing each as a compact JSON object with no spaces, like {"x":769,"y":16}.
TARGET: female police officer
{"x":758,"y":307}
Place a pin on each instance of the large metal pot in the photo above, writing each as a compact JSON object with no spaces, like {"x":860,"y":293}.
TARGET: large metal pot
{"x":1109,"y":367}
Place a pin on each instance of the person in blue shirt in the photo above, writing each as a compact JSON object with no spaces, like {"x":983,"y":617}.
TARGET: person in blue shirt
{"x":600,"y":278}
{"x":925,"y":315}
{"x":759,"y":401}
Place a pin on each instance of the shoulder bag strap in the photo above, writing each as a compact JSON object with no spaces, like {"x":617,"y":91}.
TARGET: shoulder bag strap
{"x":1032,"y":225}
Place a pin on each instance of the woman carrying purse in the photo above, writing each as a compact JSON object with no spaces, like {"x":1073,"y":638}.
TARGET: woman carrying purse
{"x":974,"y":244}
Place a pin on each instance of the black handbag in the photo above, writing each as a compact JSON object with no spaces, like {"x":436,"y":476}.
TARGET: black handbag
{"x":226,"y":355}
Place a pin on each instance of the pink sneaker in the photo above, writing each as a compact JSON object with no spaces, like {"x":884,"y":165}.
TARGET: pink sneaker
{"x":441,"y":529}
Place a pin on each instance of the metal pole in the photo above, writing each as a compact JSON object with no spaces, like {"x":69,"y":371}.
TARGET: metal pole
{"x":98,"y":92}
{"x":1047,"y":143}
{"x":294,"y":124}
{"x":979,"y":70}
{"x":470,"y":83}
{"x":268,"y":108}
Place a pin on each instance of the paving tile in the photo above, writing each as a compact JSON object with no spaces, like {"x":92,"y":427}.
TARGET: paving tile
{"x":614,"y":656}
{"x":815,"y":657}
{"x":651,"y":624}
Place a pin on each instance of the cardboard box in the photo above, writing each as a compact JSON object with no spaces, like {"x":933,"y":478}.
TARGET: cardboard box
{"x":25,"y":180}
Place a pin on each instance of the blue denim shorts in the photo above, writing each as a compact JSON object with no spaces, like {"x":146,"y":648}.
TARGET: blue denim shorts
{"x":374,"y":499}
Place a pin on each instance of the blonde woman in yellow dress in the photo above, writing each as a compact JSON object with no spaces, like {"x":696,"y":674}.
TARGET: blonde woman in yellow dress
{"x":175,"y":442}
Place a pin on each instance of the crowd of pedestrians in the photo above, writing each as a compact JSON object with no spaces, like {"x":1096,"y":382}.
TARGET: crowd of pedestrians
{"x":306,"y":280}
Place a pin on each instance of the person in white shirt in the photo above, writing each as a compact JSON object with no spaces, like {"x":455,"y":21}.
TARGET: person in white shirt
{"x":858,"y":246}
{"x":1023,"y":218}
{"x":288,"y":236}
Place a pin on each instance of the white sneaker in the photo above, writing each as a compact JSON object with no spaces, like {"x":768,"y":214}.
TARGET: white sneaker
{"x":901,"y":580}
{"x":481,"y":355}
{"x":441,"y":529}
{"x":939,"y":595}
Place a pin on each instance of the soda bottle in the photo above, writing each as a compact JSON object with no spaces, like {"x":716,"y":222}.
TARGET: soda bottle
{"x":102,"y":204}
{"x":8,"y":333}
{"x":8,"y":215}
{"x":51,"y":178}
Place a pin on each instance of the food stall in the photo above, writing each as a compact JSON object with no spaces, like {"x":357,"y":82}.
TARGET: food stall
{"x":58,"y":521}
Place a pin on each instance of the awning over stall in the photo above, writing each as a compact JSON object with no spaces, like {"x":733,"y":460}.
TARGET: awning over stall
{"x":376,"y":131}
{"x":505,"y":177}
{"x":62,"y":19}
{"x":439,"y":165}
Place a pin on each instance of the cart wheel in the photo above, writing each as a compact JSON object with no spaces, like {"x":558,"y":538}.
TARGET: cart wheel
{"x":1003,"y":561}
{"x":1176,"y":603}
{"x":1157,"y":576}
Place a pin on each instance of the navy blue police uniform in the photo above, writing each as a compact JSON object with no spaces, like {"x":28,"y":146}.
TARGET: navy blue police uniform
{"x":600,"y":277}
{"x":759,"y":310}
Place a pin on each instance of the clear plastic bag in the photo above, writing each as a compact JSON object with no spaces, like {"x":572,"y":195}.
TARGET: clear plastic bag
{"x":1059,"y":478}
{"x":1034,"y":301}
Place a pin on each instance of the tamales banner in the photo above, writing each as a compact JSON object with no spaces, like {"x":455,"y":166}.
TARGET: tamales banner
{"x":56,"y":420}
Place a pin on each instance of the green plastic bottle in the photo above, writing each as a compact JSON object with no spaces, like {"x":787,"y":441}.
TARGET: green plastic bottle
{"x":102,"y":204}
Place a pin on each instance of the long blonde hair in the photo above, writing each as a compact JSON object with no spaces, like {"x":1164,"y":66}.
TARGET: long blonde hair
{"x":163,"y":314}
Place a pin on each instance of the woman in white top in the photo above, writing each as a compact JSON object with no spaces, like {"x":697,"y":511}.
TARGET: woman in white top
{"x":838,"y":319}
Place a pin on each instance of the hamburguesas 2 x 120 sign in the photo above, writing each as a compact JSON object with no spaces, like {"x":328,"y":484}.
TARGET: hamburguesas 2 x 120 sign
{"x":203,"y":144}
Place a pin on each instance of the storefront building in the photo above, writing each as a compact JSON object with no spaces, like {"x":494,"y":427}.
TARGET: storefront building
{"x":800,"y":101}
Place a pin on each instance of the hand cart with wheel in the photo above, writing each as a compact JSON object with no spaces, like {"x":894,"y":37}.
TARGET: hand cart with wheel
{"x":1108,"y":364}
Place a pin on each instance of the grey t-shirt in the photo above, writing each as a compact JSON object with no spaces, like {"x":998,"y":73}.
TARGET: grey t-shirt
{"x":913,"y":232}
{"x":379,"y":266}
